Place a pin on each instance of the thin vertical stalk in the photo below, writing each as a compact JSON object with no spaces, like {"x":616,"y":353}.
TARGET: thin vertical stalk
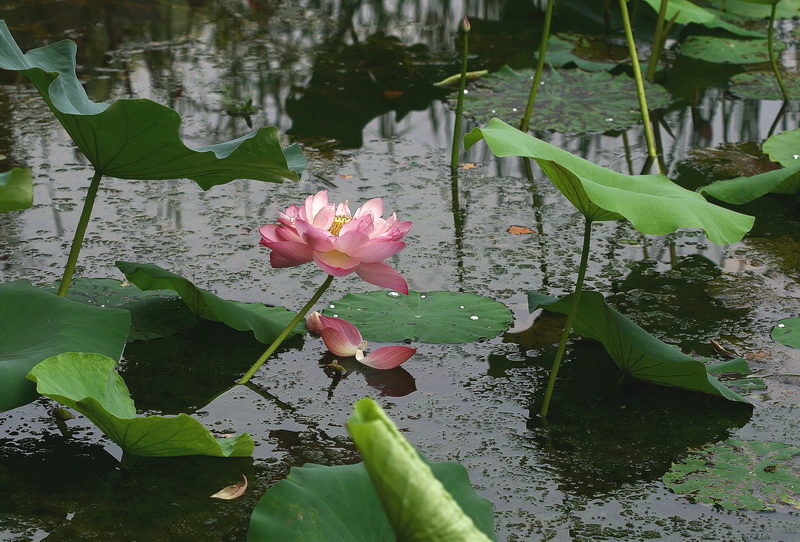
{"x":285,"y":333}
{"x":465,"y":26}
{"x":637,"y":75}
{"x":658,"y":40}
{"x":537,"y":78}
{"x":562,"y":345}
{"x":772,"y":59}
{"x":80,"y":233}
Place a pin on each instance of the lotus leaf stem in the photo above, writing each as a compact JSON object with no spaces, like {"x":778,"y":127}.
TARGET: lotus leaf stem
{"x":462,"y":83}
{"x":285,"y":333}
{"x":771,"y":49}
{"x":80,"y":232}
{"x":637,"y":75}
{"x":658,"y":40}
{"x":573,"y":310}
{"x":537,"y":78}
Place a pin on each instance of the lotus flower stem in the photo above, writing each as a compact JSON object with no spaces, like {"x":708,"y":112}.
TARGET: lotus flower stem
{"x":285,"y":333}
{"x":537,"y":78}
{"x":637,"y":75}
{"x":772,"y":59}
{"x":658,"y":40}
{"x":562,"y":345}
{"x":462,"y":83}
{"x":80,"y":232}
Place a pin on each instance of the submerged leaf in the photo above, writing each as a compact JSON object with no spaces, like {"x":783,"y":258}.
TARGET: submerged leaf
{"x":652,"y":203}
{"x":89,"y":384}
{"x":36,"y":324}
{"x":740,"y":474}
{"x":762,"y":85}
{"x":16,"y":190}
{"x":232,"y":492}
{"x":567,"y":100}
{"x":590,"y":53}
{"x":636,"y":352}
{"x":432,"y":317}
{"x":787,"y":331}
{"x":728,"y":50}
{"x":139,"y":139}
{"x":266,"y":323}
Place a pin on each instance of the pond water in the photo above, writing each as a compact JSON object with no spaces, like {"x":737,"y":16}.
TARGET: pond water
{"x":351,"y":82}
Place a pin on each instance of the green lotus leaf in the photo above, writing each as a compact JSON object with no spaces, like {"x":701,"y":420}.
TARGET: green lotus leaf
{"x":89,"y":384}
{"x":745,"y":189}
{"x":636,"y":352}
{"x":652,"y":203}
{"x":740,"y":474}
{"x":728,"y":50}
{"x":139,"y":139}
{"x":567,"y":100}
{"x":432,"y":317}
{"x":762,"y":85}
{"x":787,"y":331}
{"x":266,"y":323}
{"x":590,"y":53}
{"x":760,"y":9}
{"x":784,"y":148}
{"x":154,"y":314}
{"x":16,"y":190}
{"x":686,"y":12}
{"x":427,"y":501}
{"x":36,"y":324}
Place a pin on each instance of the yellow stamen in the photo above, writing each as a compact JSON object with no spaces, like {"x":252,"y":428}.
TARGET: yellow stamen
{"x":338,"y":222}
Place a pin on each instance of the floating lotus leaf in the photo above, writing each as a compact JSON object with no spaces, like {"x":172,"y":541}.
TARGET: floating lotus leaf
{"x":266,"y":323}
{"x":686,"y":12}
{"x":16,"y":190}
{"x":154,"y":314}
{"x":636,"y":352}
{"x":36,"y":324}
{"x":653,"y":204}
{"x":139,"y":139}
{"x":787,"y":331}
{"x":762,"y":85}
{"x":89,"y":384}
{"x":432,"y":317}
{"x":590,"y":53}
{"x":740,"y":474}
{"x":396,"y":494}
{"x":784,"y":148}
{"x":728,"y":50}
{"x":745,"y":189}
{"x":567,"y":101}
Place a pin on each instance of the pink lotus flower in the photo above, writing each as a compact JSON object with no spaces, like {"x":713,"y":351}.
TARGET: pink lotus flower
{"x":343,"y":339}
{"x":338,"y":241}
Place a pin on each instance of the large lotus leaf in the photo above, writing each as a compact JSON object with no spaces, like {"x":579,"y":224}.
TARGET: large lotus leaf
{"x":590,"y":53}
{"x":636,"y":352}
{"x":654,"y":204}
{"x":341,"y":504}
{"x":745,"y":189}
{"x":567,"y":100}
{"x":784,"y":148}
{"x":36,"y":324}
{"x":787,"y":332}
{"x":740,"y":474}
{"x":728,"y":50}
{"x":432,"y":317}
{"x":154,"y":313}
{"x":89,"y":384}
{"x":139,"y":139}
{"x":686,"y":12}
{"x":417,"y":503}
{"x":760,"y":9}
{"x":762,"y":85}
{"x":16,"y":190}
{"x":266,"y":323}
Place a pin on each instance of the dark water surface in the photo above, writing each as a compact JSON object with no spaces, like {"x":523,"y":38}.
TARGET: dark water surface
{"x":351,"y":82}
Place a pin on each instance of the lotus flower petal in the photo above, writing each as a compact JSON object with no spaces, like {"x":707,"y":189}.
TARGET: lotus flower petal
{"x":380,"y":274}
{"x":338,"y":343}
{"x":387,"y":357}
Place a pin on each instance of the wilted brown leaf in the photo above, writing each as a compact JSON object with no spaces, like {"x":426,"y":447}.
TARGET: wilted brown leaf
{"x":232,"y":492}
{"x":519,"y":230}
{"x":469,"y":166}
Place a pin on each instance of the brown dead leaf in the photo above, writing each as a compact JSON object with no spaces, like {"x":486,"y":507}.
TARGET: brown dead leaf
{"x":469,"y":166}
{"x":345,"y":176}
{"x":392,"y":94}
{"x":519,"y":230}
{"x":232,"y":492}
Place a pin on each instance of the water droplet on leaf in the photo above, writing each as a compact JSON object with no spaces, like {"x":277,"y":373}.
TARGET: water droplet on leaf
{"x":473,"y":317}
{"x":393,"y":294}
